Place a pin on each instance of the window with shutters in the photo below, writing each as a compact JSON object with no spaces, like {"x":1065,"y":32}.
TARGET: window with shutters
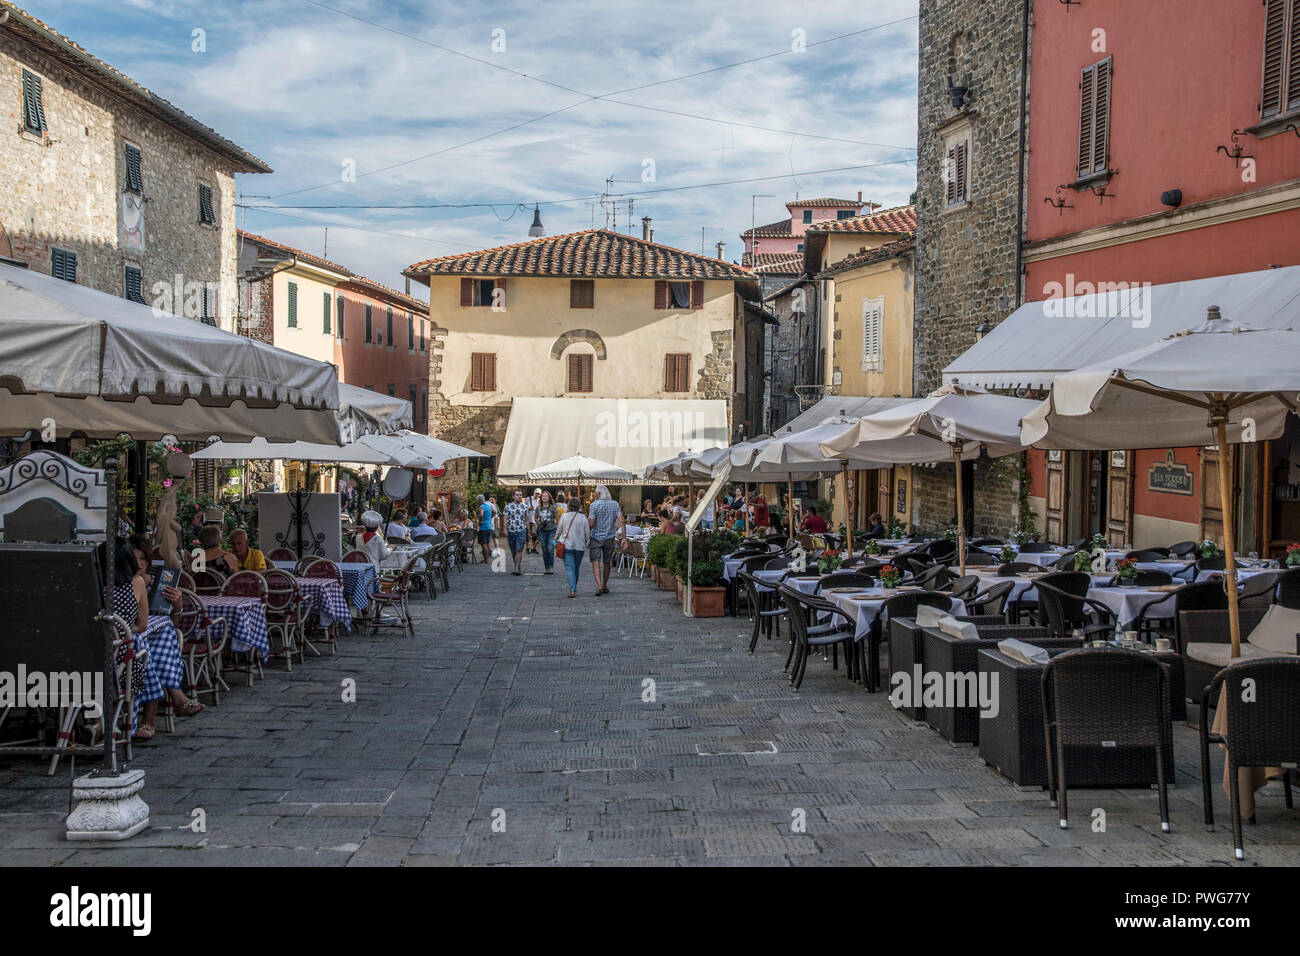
{"x":370,"y":328}
{"x":206,"y":212}
{"x":483,"y":372}
{"x":293,"y":305}
{"x":1280,"y":94}
{"x":807,"y":215}
{"x":410,"y":332}
{"x":133,"y":284}
{"x":392,"y":391}
{"x":339,"y":323}
{"x":1094,"y":120}
{"x":422,"y":335}
{"x":63,"y":264}
{"x":327,"y":306}
{"x":873,"y":321}
{"x":134,"y":169}
{"x":580,"y":364}
{"x":415,"y":408}
{"x":388,"y":326}
{"x":956,"y":172}
{"x":582,"y":293}
{"x":33,"y":104}
{"x":677,"y":372}
{"x":209,"y":305}
{"x":480,"y":292}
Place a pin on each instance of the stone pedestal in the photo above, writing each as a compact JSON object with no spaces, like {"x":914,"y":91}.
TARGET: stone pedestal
{"x":110,"y":808}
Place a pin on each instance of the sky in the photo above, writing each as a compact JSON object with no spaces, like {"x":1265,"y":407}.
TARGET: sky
{"x":484,"y":109}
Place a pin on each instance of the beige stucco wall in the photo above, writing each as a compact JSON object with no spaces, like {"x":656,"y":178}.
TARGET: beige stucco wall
{"x":309,"y":338}
{"x":636,"y":336}
{"x":65,"y":191}
{"x":841,"y":245}
{"x":892,"y":281}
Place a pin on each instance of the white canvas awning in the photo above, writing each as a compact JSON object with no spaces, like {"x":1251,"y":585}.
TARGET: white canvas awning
{"x":259,"y":449}
{"x":628,"y":433}
{"x":98,"y":364}
{"x":1040,"y":340}
{"x":839,"y":407}
{"x":363,"y":412}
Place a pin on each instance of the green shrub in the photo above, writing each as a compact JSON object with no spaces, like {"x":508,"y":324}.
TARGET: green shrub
{"x":706,"y":574}
{"x":723,"y":541}
{"x":660,"y":546}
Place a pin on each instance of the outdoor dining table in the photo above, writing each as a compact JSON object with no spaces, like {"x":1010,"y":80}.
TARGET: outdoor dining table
{"x":1040,"y":558}
{"x":163,"y":667}
{"x":804,"y":584}
{"x":1127,"y":602}
{"x":863,"y":606}
{"x":327,"y":599}
{"x":357,"y":576}
{"x":1242,"y":573}
{"x":246,"y":617}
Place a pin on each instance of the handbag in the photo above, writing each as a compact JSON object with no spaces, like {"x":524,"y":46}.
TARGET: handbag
{"x":559,"y":544}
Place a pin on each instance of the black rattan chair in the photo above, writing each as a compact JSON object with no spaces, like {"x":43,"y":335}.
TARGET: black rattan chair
{"x":1108,"y":701}
{"x":992,"y":600}
{"x":802,"y":610}
{"x":1151,"y":579}
{"x":1288,"y":589}
{"x":962,"y":587}
{"x":1035,"y":547}
{"x":1012,"y":568}
{"x":1259,"y":590}
{"x":1149,"y":554}
{"x":765,"y":606}
{"x":1216,"y":563}
{"x":901,"y":605}
{"x":980,"y":559}
{"x":845,"y":579}
{"x":1263,"y":731}
{"x":1182,"y":549}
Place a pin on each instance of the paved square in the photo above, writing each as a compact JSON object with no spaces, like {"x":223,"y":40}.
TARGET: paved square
{"x":518,"y":727}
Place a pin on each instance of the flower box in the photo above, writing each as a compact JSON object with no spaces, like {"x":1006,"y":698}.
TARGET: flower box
{"x":707,"y":602}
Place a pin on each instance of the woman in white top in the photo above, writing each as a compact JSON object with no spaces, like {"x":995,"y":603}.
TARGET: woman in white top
{"x":371,"y":541}
{"x":574,"y":532}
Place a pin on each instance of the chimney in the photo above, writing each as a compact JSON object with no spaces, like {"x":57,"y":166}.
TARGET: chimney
{"x":722,"y":248}
{"x":859,"y":197}
{"x":646,"y":233}
{"x":652,"y":235}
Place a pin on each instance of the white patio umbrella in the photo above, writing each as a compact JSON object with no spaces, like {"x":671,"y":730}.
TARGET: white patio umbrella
{"x":74,"y":359}
{"x":1218,"y":384}
{"x":579,"y":468}
{"x":408,"y":449}
{"x":259,"y":449}
{"x":365,"y":412}
{"x":955,"y":422}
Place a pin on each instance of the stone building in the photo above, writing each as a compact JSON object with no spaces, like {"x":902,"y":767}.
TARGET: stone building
{"x":108,"y":184}
{"x":971,"y":109}
{"x":573,"y":327}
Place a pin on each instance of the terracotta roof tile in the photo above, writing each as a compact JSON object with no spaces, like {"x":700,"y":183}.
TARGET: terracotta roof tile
{"x":781,"y":228}
{"x":888,"y":251}
{"x":842,"y":203}
{"x":900,"y":219}
{"x":74,"y":57}
{"x":409,"y":300}
{"x":774,"y":263}
{"x":297,"y":253}
{"x":592,"y":253}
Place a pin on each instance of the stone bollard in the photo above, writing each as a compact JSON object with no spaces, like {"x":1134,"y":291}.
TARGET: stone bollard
{"x":110,"y":807}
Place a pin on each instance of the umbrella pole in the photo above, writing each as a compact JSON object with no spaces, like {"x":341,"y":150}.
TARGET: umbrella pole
{"x":747,"y":512}
{"x":961,"y":510}
{"x":1229,"y":546}
{"x":789,"y":504}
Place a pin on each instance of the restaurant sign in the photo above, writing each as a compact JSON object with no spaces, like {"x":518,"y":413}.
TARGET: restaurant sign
{"x":1169,"y":476}
{"x":900,"y":505}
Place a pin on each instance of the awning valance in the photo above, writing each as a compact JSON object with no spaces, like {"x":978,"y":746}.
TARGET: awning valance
{"x":629,"y":433}
{"x":1042,"y":339}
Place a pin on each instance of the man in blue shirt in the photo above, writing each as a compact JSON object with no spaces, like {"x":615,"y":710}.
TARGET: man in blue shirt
{"x":485,"y":526}
{"x":606,"y":519}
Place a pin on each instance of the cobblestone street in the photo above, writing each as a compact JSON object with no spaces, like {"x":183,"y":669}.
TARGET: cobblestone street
{"x":517,"y":705}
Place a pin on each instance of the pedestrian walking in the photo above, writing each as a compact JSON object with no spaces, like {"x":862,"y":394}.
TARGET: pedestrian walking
{"x":606,"y":519}
{"x":547,"y":517}
{"x":534,"y":502}
{"x":516,"y":517}
{"x":574,"y":534}
{"x":484,"y":527}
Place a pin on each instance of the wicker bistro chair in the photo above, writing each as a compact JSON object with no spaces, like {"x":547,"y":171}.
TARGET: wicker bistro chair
{"x":207,"y":582}
{"x":980,"y":559}
{"x":321,"y":568}
{"x":280,"y":554}
{"x":203,"y":640}
{"x":1216,"y":563}
{"x":963,"y":587}
{"x":121,"y":697}
{"x":438,"y":564}
{"x":1288,"y":588}
{"x":1202,"y":596}
{"x":765,"y":607}
{"x":1111,"y":705}
{"x":1151,"y":579}
{"x":1012,"y":568}
{"x":1036,"y":547}
{"x":749,"y":563}
{"x":395,"y":597}
{"x":1182,"y":549}
{"x":1149,"y":554}
{"x":958,"y":660}
{"x":454,"y":536}
{"x":985,"y":543}
{"x":1260,"y":590}
{"x":245,"y":584}
{"x":300,"y":569}
{"x":901,"y":605}
{"x":356,"y":557}
{"x":845,"y":579}
{"x":942,"y":550}
{"x":809,"y":630}
{"x":287,"y":610}
{"x":1065,"y":562}
{"x":934,"y":578}
{"x":1263,"y":731}
{"x":1064,"y":605}
{"x":1209,"y":627}
{"x":906,"y":654}
{"x":992,"y":600}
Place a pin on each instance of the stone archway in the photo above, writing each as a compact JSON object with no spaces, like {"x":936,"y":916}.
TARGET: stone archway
{"x":574,"y":336}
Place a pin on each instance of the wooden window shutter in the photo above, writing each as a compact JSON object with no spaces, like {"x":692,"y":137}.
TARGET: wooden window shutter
{"x":1087,"y":96}
{"x":476,"y":372}
{"x":951,"y":191}
{"x":388,"y":325}
{"x":33,"y":103}
{"x":580,"y":372}
{"x":670,"y":372}
{"x":134,"y":284}
{"x":1094,"y":118}
{"x":63,"y":265}
{"x":962,"y":170}
{"x":293,"y":304}
{"x":134,"y":172}
{"x":205,"y":205}
{"x":490,"y":371}
{"x":466,"y":292}
{"x":661,"y":294}
{"x":1293,"y":60}
{"x":327,"y":306}
{"x":339,"y":323}
{"x":410,"y":332}
{"x":697,"y":294}
{"x":1275,"y":44}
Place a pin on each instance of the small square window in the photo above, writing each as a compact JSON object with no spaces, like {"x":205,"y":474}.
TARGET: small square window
{"x":679,"y":295}
{"x":133,"y":285}
{"x":483,"y":289}
{"x":807,"y":215}
{"x":63,"y":265}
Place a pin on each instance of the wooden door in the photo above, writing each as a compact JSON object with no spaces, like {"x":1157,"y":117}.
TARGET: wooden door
{"x":1211,"y":497}
{"x":1119,"y":499}
{"x":1054,"y":529}
{"x":884,"y":493}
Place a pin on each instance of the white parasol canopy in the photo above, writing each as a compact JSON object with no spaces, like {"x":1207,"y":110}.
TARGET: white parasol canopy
{"x":101,"y":365}
{"x":580,"y":468}
{"x":259,"y":449}
{"x":1220,"y":383}
{"x":408,"y":449}
{"x":366,"y":412}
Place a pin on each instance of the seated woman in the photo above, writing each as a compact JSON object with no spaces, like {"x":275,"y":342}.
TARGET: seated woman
{"x":876,"y":527}
{"x":397,"y":527}
{"x":648,"y":510}
{"x":218,"y":558}
{"x":250,"y":559}
{"x":371,"y":541}
{"x":463,"y":520}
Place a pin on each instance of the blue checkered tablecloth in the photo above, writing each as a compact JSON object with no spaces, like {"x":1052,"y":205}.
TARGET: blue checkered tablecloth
{"x":246,"y":619}
{"x":356,"y":583}
{"x":327,"y":600}
{"x":165,"y":651}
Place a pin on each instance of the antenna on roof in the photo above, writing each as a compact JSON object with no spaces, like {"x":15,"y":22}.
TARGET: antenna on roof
{"x":326,"y":253}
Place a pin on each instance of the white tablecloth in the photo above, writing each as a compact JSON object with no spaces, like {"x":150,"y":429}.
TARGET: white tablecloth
{"x":864,"y":613}
{"x":1127,"y":602}
{"x":804,"y":585}
{"x":1242,"y":574}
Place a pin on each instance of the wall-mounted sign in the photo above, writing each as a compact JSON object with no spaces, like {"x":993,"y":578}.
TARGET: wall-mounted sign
{"x":1053,"y":454}
{"x":1119,"y":459}
{"x":900,"y":505}
{"x":1169,"y":476}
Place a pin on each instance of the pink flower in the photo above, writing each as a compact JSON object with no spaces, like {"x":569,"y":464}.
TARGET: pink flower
{"x":167,"y":483}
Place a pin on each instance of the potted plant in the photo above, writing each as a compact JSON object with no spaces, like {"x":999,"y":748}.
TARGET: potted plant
{"x":1082,"y":561}
{"x":1127,"y":572}
{"x":1293,"y":556}
{"x":657,"y":557}
{"x":897,"y":529}
{"x":1007,"y":554}
{"x":707,"y":591}
{"x":1208,"y":548}
{"x":872,"y":547}
{"x":1019,"y":536}
{"x":889,"y":577}
{"x":828,"y":561}
{"x":1098,"y":540}
{"x":232,"y":475}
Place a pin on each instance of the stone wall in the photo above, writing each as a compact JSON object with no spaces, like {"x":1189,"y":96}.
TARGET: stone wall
{"x":791,"y":355}
{"x":716,"y":377}
{"x":64,"y":190}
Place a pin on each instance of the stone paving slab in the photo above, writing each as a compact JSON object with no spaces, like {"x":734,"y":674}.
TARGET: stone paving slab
{"x":516,"y":728}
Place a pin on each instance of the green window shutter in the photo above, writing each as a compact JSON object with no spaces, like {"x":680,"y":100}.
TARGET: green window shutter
{"x":325,"y":314}
{"x":369,"y":323}
{"x":134,"y":171}
{"x":410,"y":332}
{"x":134,"y":285}
{"x":33,"y":103}
{"x":339,"y":325}
{"x":293,"y":305}
{"x":205,"y":205}
{"x":388,"y":330}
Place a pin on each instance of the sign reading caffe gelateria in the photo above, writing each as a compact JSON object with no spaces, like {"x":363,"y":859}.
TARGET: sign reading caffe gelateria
{"x":1169,"y":476}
